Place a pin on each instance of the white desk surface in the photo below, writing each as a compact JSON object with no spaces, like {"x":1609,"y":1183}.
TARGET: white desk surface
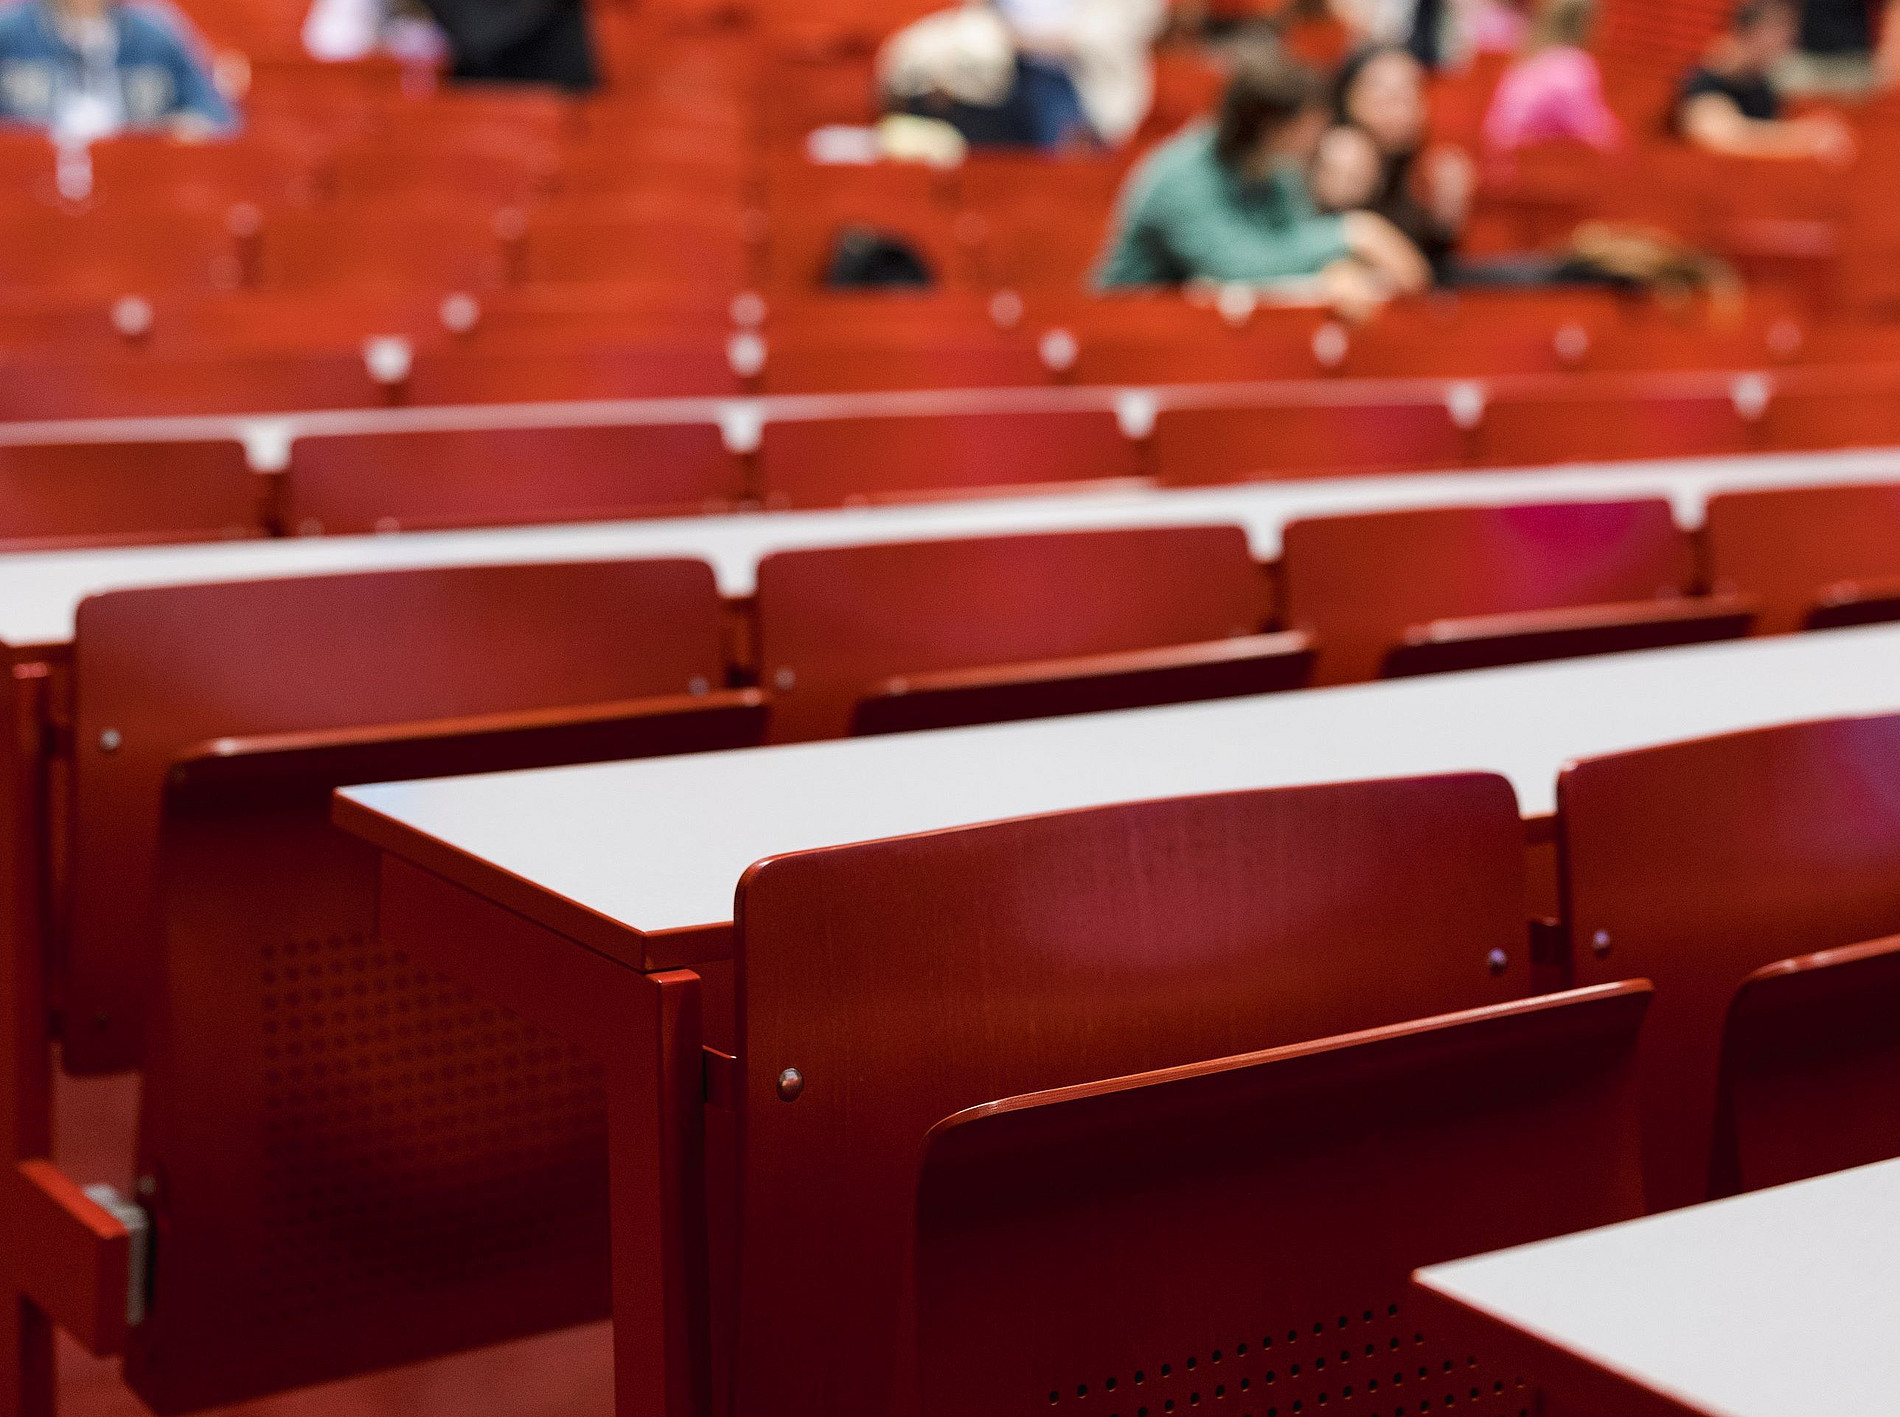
{"x":1783,"y":1303}
{"x":40,"y":591}
{"x":661,"y":843}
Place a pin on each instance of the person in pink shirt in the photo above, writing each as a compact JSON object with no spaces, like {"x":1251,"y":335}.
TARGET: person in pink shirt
{"x":1555,"y":92}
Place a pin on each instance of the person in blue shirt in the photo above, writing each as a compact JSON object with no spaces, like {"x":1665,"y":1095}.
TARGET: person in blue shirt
{"x":85,"y":69}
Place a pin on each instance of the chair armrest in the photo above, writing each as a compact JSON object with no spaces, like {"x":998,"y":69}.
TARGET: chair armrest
{"x":289,"y":764}
{"x":1525,"y":637}
{"x":78,"y":1254}
{"x":1212,"y":669}
{"x":1868,"y":602}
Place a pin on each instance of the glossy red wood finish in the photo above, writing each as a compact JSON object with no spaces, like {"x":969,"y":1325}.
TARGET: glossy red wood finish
{"x":401,"y":481}
{"x":1526,"y":637}
{"x":1605,"y":420}
{"x":910,"y":979}
{"x":70,"y":1255}
{"x":1361,"y":583}
{"x":833,"y":461}
{"x":1695,"y":864}
{"x":1239,"y":1233}
{"x":169,"y":668}
{"x":361,"y":1164}
{"x":1203,"y":445}
{"x":1791,"y":547}
{"x":86,"y":493}
{"x":1213,"y":669}
{"x":1810,"y":1079}
{"x":835,"y":623}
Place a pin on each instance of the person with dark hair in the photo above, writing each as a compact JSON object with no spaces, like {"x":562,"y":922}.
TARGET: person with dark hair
{"x":1227,"y":201}
{"x":1729,"y":104}
{"x":518,"y":41}
{"x":86,"y":69}
{"x":1425,"y":192}
{"x":1838,"y":53}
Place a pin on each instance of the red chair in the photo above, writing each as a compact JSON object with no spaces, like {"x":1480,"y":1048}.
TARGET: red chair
{"x":1311,"y":433}
{"x":1811,"y":556}
{"x":142,"y":383}
{"x":161,"y":671}
{"x":660,"y":366}
{"x":808,"y":207}
{"x":77,"y":494}
{"x":448,"y":247}
{"x":1394,"y":593}
{"x":1694,"y":865}
{"x":1225,"y":1230}
{"x":825,"y":462}
{"x":356,"y":1164}
{"x":487,"y":476}
{"x":1606,"y":418}
{"x":118,"y":249}
{"x":1027,"y":955}
{"x":838,"y":626}
{"x":1834,"y":408}
{"x":603,"y":246}
{"x":1810,"y":1079}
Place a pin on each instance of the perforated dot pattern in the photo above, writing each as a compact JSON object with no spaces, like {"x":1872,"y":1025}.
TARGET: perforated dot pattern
{"x":1369,"y":1363}
{"x":416,"y":1139}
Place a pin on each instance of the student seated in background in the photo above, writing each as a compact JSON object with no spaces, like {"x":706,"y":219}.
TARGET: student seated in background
{"x":1837,"y":53}
{"x":519,"y":41}
{"x":1554,"y":93}
{"x":1730,"y":105}
{"x":86,"y":69}
{"x":1227,"y":201}
{"x":1424,"y":189}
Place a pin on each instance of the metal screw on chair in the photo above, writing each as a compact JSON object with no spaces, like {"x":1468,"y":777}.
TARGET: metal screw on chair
{"x":791,"y":1085}
{"x":1498,"y":960}
{"x":784,"y":679}
{"x":698,"y":685}
{"x":1600,"y":943}
{"x":110,"y":740}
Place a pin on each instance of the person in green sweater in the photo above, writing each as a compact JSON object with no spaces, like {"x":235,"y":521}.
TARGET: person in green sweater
{"x":1226,"y":202}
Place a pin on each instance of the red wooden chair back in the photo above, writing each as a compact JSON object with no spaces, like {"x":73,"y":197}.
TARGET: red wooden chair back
{"x":81,"y":493}
{"x":1236,"y":1229}
{"x":1360,"y":583}
{"x":1806,"y":552}
{"x":1695,"y":864}
{"x":1305,"y":439}
{"x":392,"y":481}
{"x":158,"y":671}
{"x":1810,"y":1080}
{"x":831,"y":461}
{"x":904,"y":981}
{"x":835,"y":622}
{"x":1605,"y":423}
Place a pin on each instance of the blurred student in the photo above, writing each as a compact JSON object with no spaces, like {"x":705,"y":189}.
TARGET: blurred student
{"x":518,"y":41}
{"x":1729,"y":104}
{"x":1837,"y":54}
{"x":1048,"y":74}
{"x":1347,"y":171}
{"x":340,"y":30}
{"x":1227,"y":202}
{"x":1424,"y":191}
{"x":86,"y":69}
{"x":1555,"y":92}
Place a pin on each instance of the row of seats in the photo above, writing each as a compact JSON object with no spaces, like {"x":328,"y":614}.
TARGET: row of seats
{"x":1711,"y":869}
{"x":991,"y":629}
{"x":156,"y":489}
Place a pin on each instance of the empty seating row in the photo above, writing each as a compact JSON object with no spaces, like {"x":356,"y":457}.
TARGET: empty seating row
{"x":1293,"y":897}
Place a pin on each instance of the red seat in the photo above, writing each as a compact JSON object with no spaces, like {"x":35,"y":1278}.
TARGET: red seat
{"x":362,"y":1164}
{"x":93,"y":493}
{"x":1211,"y":1231}
{"x":1609,"y":420}
{"x":823,"y":462}
{"x":1028,"y":955}
{"x":834,"y":623}
{"x":602,"y":245}
{"x":664,"y":366}
{"x":1810,"y":1079}
{"x":134,"y":383}
{"x":1403,"y":592}
{"x":1810,"y":555}
{"x":118,"y":249}
{"x":1694,"y":865}
{"x":169,"y":669}
{"x":1306,"y":435}
{"x":438,"y":249}
{"x":393,"y":481}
